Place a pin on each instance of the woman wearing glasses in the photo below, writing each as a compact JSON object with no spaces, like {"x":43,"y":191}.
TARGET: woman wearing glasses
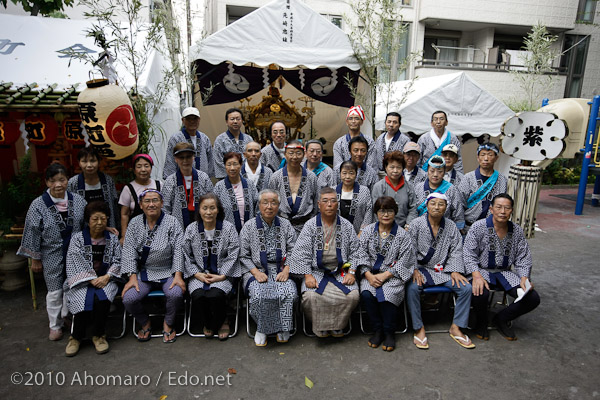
{"x":387,"y":262}
{"x":152,"y":257}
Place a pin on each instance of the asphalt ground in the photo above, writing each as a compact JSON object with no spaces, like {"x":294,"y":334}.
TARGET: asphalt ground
{"x":556,"y":356}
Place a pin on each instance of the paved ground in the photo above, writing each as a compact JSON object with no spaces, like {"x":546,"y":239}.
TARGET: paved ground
{"x":556,"y":357}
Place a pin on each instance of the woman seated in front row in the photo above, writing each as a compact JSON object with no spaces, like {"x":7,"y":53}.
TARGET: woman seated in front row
{"x":211,"y":248}
{"x":438,"y":243}
{"x":267,"y":241}
{"x":387,"y":262}
{"x":93,"y":258}
{"x":152,"y":257}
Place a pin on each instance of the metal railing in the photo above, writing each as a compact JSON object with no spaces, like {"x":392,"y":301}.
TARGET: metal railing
{"x":453,"y":64}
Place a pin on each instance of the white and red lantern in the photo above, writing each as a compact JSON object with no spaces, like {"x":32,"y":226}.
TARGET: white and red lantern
{"x":42,"y":129}
{"x":73,"y":131}
{"x":109,"y":119}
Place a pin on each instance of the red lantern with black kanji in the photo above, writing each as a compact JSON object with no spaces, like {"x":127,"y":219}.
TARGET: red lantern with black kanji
{"x":9,"y":131}
{"x":42,"y":129}
{"x":109,"y":119}
{"x":73,"y":131}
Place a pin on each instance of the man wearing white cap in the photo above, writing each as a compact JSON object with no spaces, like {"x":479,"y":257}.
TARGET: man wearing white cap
{"x":203,"y":153}
{"x":438,"y":245}
{"x":435,"y":183}
{"x":436,"y":139}
{"x":479,"y":187}
{"x":412,"y":173}
{"x":450,"y":155}
{"x":354,"y":120}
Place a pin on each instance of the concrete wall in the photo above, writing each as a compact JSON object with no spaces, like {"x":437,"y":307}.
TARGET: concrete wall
{"x":553,"y":13}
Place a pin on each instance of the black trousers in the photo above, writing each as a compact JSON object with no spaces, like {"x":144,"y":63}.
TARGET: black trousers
{"x":515,"y":310}
{"x":96,"y":318}
{"x":211,"y":305}
{"x":382,"y":315}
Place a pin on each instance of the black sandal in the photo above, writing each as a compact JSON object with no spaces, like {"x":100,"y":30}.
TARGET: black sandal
{"x":143,"y":332}
{"x":389,"y":344}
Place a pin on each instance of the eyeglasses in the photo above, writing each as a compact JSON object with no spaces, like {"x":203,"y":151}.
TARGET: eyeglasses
{"x":269,"y":203}
{"x":155,"y":200}
{"x":291,"y":154}
{"x":328,"y":201}
{"x":386,"y":212}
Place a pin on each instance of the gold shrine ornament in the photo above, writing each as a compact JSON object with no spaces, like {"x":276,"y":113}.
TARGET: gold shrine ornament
{"x":275,"y":108}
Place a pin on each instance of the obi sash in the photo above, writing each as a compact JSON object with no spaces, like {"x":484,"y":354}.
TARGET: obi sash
{"x":66,"y":229}
{"x":197,"y":147}
{"x":444,"y":186}
{"x":438,"y":151}
{"x":482,"y":192}
{"x":425,"y":260}
{"x":182,"y":193}
{"x":294,"y":206}
{"x":234,"y":203}
{"x":263,"y":247}
{"x":209,"y":258}
{"x":93,"y":291}
{"x":353,"y":204}
{"x":146,"y":249}
{"x":81,"y":185}
{"x":329,"y":276}
{"x":381,"y":253}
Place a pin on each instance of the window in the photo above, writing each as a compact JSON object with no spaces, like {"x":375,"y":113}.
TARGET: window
{"x":335,"y":19}
{"x":395,"y":69}
{"x":586,"y":11}
{"x":573,"y":61}
{"x":236,"y":12}
{"x":441,"y":47}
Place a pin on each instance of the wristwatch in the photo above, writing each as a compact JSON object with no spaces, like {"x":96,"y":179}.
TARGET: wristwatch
{"x":352,"y":272}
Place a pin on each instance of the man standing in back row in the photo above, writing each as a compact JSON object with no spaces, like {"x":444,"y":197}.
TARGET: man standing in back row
{"x":231,"y":140}
{"x":390,"y":140}
{"x":433,"y":142}
{"x":341,"y":152}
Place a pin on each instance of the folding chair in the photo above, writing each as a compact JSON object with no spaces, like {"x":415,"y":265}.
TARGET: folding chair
{"x":361,"y":312}
{"x":235,"y":292}
{"x":155,"y":294}
{"x":444,"y":291}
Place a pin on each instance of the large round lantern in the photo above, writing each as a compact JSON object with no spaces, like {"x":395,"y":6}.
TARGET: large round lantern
{"x":42,"y":129}
{"x":9,"y":131}
{"x":108,"y":118}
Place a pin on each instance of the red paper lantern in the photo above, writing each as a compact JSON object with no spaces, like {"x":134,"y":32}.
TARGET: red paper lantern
{"x":42,"y":129}
{"x":9,"y":131}
{"x":73,"y":131}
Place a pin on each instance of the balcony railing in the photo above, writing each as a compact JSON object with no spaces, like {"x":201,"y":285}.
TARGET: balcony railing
{"x":502,"y":67}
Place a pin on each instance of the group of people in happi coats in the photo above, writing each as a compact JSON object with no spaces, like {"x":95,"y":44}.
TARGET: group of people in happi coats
{"x":286,"y":226}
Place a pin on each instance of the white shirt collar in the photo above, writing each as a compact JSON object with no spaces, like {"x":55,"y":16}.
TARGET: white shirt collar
{"x":436,"y":140}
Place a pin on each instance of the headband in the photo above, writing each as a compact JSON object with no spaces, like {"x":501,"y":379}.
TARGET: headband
{"x":356,"y":110}
{"x":488,"y":146}
{"x":294,"y":146}
{"x":437,"y":195}
{"x":436,"y":162}
{"x":146,"y":191}
{"x":145,"y":157}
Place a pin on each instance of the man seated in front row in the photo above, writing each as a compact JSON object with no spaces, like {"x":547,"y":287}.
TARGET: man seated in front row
{"x":329,"y":291}
{"x":497,"y":255}
{"x":438,"y":245}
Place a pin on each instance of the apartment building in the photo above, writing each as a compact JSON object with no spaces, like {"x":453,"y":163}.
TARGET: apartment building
{"x":481,"y":37}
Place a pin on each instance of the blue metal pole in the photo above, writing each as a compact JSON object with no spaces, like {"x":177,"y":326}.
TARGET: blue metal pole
{"x":587,"y":154}
{"x":545,"y":102}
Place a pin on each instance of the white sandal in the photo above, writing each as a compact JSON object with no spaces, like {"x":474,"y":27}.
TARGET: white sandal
{"x":422,"y":344}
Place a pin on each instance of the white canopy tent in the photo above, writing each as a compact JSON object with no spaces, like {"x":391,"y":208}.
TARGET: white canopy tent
{"x":470,"y":109}
{"x":309,"y":41}
{"x":36,"y":52}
